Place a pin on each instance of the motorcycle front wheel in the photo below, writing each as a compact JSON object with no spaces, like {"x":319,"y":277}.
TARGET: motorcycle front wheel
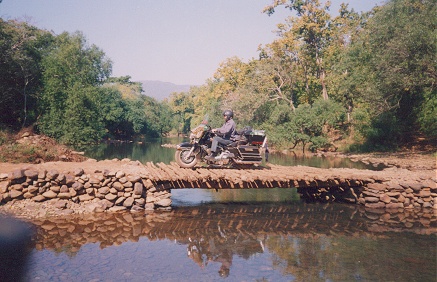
{"x":183,"y":159}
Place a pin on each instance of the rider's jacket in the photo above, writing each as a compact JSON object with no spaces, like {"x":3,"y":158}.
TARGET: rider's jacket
{"x":227,"y":130}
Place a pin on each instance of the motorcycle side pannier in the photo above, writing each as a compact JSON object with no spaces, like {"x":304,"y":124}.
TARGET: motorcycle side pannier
{"x":255,"y":137}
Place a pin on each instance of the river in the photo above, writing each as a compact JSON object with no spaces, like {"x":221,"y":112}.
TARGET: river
{"x":235,"y":235}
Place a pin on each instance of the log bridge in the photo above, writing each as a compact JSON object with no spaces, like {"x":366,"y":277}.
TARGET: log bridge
{"x":129,"y":184}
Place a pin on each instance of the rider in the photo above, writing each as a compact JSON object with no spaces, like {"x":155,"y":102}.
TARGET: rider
{"x":223,"y":134}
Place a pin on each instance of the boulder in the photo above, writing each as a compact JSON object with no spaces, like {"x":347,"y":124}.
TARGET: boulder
{"x":85,"y":197}
{"x":50,"y":194}
{"x":164,"y":202}
{"x":15,"y":194}
{"x":128,"y":202}
{"x":138,"y":188}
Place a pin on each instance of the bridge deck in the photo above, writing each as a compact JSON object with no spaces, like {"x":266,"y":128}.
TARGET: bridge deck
{"x":172,"y":177}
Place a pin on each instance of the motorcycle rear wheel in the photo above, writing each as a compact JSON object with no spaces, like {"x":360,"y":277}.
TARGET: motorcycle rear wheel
{"x":184,"y":160}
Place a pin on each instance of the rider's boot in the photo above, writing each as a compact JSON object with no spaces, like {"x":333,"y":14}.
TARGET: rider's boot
{"x":211,"y":156}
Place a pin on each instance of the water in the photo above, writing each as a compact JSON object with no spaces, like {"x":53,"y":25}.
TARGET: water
{"x":152,"y":150}
{"x":235,"y":235}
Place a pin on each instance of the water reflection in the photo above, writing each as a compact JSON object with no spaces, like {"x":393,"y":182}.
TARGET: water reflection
{"x":150,"y":150}
{"x":306,"y":242}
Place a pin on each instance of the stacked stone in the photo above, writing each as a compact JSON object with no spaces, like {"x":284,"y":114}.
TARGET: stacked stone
{"x":399,"y":195}
{"x":113,"y":190}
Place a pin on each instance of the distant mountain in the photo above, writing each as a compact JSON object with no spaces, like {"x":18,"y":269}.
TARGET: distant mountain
{"x":161,"y":90}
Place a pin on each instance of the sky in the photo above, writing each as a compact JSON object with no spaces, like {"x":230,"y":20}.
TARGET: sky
{"x":177,"y":41}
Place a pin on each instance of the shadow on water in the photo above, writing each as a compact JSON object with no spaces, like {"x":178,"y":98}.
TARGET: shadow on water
{"x":253,"y":242}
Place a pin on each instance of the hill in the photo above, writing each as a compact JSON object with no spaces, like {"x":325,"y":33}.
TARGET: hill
{"x":161,"y":90}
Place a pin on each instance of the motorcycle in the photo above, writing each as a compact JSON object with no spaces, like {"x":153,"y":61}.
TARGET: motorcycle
{"x":244,"y":151}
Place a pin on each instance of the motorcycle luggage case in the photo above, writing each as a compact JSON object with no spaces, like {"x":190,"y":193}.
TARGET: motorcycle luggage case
{"x":255,"y":137}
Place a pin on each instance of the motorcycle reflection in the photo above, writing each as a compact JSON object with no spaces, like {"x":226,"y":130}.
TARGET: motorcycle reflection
{"x":221,"y":249}
{"x":244,"y":151}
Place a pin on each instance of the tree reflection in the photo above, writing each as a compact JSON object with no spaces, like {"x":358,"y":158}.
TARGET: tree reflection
{"x":308,"y":241}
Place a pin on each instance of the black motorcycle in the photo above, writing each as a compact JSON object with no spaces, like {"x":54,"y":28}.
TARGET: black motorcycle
{"x":244,"y":151}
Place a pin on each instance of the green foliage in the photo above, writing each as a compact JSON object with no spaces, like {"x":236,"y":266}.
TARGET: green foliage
{"x":73,"y":71}
{"x":21,"y":50}
{"x":398,"y":47}
{"x":428,"y":114}
{"x":369,"y":75}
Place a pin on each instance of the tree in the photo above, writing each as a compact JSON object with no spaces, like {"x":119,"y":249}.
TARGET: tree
{"x":306,"y":37}
{"x":72,"y":71}
{"x":398,"y":79}
{"x":21,"y":50}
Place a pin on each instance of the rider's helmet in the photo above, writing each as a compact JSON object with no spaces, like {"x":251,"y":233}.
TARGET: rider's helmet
{"x":229,"y":114}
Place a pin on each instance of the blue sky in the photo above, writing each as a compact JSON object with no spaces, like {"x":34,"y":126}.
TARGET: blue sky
{"x":182,"y":42}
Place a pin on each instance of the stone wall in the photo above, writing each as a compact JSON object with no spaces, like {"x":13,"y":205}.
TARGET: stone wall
{"x":101,"y":190}
{"x":117,"y":190}
{"x":385,"y":195}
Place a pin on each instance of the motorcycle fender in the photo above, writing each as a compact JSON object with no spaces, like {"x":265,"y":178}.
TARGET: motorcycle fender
{"x":184,"y":145}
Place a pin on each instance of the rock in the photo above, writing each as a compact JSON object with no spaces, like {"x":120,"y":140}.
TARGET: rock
{"x":85,"y":197}
{"x":16,"y":174}
{"x":416,"y":187}
{"x":140,"y":201}
{"x":42,"y":174}
{"x":52,"y":174}
{"x":138,"y":188}
{"x":64,"y":189}
{"x":119,"y":201}
{"x":110,"y":197}
{"x":117,"y":208}
{"x":371,"y":199}
{"x":69,"y":180}
{"x":55,"y":188}
{"x":94,"y":181}
{"x":32,"y":189}
{"x":61,"y":178}
{"x":28,"y":195}
{"x":385,"y":198}
{"x":3,"y":176}
{"x":77,"y":186}
{"x":62,"y":204}
{"x":133,"y":178}
{"x":164,"y":202}
{"x":394,"y":206}
{"x":379,"y":205}
{"x":136,"y":209}
{"x":50,"y":194}
{"x":148,"y":184}
{"x":128,"y":202}
{"x":17,"y":187}
{"x":106,"y":204}
{"x":377,"y":186}
{"x":15,"y":194}
{"x":103,"y":190}
{"x":118,"y":186}
{"x":65,"y":195}
{"x":424,"y":193}
{"x":32,"y":174}
{"x":39,"y":198}
{"x":4,"y":186}
{"x":119,"y":174}
{"x":127,"y":184}
{"x":78,"y":172}
{"x":72,"y":192}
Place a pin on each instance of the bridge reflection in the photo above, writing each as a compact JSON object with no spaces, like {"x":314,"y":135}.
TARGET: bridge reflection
{"x":215,"y":220}
{"x":301,"y":239}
